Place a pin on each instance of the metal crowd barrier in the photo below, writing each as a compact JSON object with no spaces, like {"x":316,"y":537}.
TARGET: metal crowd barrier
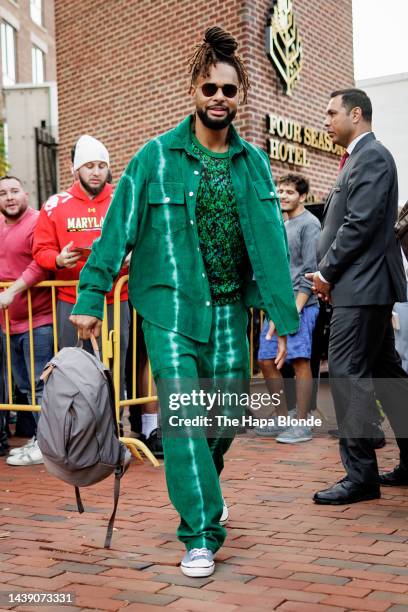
{"x":110,"y":344}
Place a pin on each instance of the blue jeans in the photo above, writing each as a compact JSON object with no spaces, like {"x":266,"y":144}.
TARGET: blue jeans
{"x":20,"y":359}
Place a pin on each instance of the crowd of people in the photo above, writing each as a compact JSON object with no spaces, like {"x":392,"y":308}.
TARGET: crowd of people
{"x":53,"y":244}
{"x":200,"y":205}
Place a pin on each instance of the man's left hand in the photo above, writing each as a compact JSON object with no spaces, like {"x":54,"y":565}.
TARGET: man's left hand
{"x":320,"y":287}
{"x":282,"y":352}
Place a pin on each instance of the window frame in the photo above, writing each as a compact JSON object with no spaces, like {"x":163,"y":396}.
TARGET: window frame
{"x":8,"y":33}
{"x":36,"y":52}
{"x":36,"y":12}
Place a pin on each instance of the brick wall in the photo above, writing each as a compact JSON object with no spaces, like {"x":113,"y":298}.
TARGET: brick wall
{"x":326,"y":32}
{"x":122,"y":70}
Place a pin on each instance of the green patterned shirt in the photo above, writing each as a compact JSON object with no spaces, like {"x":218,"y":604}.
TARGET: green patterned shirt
{"x":219,"y":230}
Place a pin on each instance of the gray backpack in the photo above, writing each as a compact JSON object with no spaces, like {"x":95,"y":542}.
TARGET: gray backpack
{"x":77,"y":432}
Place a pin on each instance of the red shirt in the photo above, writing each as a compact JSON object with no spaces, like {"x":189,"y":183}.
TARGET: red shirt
{"x":71,"y":216}
{"x":16,"y":260}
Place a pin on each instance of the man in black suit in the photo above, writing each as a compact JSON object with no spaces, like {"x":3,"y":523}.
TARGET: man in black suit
{"x":361,"y":274}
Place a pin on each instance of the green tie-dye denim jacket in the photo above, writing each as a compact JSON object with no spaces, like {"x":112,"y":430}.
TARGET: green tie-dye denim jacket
{"x":153,"y":215}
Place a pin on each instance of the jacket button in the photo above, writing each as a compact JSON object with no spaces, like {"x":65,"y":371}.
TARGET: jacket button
{"x":196,"y":172}
{"x":203,"y":274}
{"x":191,"y":194}
{"x":167,"y":199}
{"x":271,"y":193}
{"x":192,"y":222}
{"x":208,"y":303}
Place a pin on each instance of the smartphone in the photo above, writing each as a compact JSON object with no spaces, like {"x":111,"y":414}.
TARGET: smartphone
{"x":85,"y":252}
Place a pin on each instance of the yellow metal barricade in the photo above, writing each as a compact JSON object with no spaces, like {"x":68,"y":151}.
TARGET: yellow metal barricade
{"x":32,"y":407}
{"x":133,"y":444}
{"x":110,"y":341}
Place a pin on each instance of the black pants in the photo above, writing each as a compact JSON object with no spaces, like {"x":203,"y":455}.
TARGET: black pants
{"x":364,"y":366}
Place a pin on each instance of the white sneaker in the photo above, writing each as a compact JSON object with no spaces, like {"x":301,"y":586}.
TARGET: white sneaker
{"x":20,"y":449}
{"x":198,"y":563}
{"x":30,"y":456}
{"x":225,"y":514}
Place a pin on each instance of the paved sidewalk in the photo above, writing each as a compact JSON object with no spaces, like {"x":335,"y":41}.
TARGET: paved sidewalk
{"x":283,"y":552}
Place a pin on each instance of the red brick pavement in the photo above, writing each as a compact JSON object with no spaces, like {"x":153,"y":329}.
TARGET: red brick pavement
{"x":282,"y":552}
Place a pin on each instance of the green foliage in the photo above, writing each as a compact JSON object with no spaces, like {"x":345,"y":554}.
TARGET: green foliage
{"x":4,"y":165}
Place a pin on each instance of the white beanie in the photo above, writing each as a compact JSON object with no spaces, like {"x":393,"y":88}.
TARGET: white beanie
{"x":89,"y":149}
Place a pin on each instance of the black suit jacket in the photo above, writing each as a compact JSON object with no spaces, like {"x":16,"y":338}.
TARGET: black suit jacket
{"x":358,"y":252}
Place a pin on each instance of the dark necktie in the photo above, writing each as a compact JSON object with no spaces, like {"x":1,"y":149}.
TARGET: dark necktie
{"x":343,"y":160}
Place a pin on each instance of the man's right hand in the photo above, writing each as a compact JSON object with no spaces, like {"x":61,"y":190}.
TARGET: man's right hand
{"x":68,"y":258}
{"x":86,"y":325}
{"x":6,"y":298}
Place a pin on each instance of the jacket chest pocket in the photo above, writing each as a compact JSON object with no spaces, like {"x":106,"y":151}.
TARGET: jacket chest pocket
{"x":168,"y":207}
{"x":269,"y":201}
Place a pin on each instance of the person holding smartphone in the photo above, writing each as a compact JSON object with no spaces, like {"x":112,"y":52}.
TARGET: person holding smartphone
{"x":68,"y":225}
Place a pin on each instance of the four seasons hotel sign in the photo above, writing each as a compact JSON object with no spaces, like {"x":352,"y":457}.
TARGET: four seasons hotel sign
{"x":283,"y":44}
{"x":284,"y":49}
{"x":300,"y":137}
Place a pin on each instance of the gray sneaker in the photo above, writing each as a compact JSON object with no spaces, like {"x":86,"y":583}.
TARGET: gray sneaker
{"x":198,"y":563}
{"x":269,"y":431}
{"x":294,"y":434}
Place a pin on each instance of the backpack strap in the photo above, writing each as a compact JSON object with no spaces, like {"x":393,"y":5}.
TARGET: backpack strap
{"x":116,"y":492}
{"x":79,"y":500}
{"x":94,"y":343}
{"x":95,"y":346}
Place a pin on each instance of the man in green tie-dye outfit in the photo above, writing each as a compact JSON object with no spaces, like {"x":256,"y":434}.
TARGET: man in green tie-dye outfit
{"x":198,"y":208}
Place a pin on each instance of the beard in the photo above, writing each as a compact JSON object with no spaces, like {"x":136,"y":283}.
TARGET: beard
{"x":16,"y":215}
{"x":216,"y":124}
{"x":94,"y":191}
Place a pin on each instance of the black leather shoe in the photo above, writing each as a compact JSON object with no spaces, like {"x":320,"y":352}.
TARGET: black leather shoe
{"x":154,"y":442}
{"x":346,"y":492}
{"x":397,"y":478}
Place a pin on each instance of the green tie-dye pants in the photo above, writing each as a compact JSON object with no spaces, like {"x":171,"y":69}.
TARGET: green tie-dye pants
{"x":193,"y":458}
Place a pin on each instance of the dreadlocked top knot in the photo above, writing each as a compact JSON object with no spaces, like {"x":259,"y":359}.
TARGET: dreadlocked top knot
{"x":222,"y":42}
{"x":218,"y":46}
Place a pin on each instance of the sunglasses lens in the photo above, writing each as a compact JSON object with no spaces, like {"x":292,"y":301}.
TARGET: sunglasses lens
{"x":209,"y":89}
{"x":230,"y":91}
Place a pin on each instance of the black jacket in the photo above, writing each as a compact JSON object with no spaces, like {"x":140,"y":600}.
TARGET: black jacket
{"x":358,"y":252}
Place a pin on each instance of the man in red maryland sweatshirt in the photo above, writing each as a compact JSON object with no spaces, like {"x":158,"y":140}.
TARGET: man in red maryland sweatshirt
{"x":68,"y":224}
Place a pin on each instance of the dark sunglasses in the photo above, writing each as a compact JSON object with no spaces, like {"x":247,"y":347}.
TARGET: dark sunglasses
{"x":210,"y":89}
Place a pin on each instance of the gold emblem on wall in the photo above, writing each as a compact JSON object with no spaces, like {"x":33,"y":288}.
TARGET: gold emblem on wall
{"x":283,"y":44}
